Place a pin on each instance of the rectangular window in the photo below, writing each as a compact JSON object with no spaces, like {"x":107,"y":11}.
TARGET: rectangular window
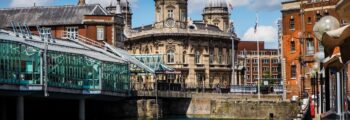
{"x":309,"y":20}
{"x":211,"y":55}
{"x":100,"y":33}
{"x":266,"y":61}
{"x":170,"y":13}
{"x":291,"y":24}
{"x":293,"y":71}
{"x":292,"y":46}
{"x":220,"y":56}
{"x":72,"y":32}
{"x":46,"y":33}
{"x":310,"y":46}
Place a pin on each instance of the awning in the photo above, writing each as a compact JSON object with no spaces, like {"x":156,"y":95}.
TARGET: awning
{"x":154,"y":61}
{"x":334,"y":62}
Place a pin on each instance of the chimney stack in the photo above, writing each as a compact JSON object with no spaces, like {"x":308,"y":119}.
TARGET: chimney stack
{"x":81,"y":3}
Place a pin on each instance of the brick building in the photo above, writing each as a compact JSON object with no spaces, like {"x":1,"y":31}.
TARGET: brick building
{"x":91,"y":21}
{"x":298,"y":41}
{"x":269,"y":63}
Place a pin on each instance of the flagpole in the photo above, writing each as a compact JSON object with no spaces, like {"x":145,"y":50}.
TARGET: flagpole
{"x":258,"y":52}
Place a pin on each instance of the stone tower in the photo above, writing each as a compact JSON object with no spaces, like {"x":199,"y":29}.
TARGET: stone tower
{"x":81,"y":2}
{"x":171,"y":13}
{"x":216,"y":12}
{"x":123,"y":8}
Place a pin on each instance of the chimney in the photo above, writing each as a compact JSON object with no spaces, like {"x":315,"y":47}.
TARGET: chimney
{"x":81,"y":3}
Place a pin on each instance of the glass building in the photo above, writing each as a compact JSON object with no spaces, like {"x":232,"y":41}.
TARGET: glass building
{"x":67,"y":64}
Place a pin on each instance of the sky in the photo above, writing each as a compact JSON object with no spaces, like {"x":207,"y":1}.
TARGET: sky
{"x":244,"y":14}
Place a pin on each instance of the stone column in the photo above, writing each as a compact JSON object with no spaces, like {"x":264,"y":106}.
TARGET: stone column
{"x":82,"y":109}
{"x":20,"y":108}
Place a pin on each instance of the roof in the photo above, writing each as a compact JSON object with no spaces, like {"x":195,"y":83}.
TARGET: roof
{"x":65,"y":46}
{"x":203,"y":26}
{"x":198,"y":25}
{"x":216,"y":3}
{"x":49,"y":15}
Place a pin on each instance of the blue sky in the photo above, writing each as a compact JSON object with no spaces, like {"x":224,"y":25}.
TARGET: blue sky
{"x":243,"y":14}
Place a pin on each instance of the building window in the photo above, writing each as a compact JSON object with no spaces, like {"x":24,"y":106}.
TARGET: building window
{"x":309,"y":20}
{"x":275,"y":61}
{"x":291,"y":23}
{"x":171,"y":56}
{"x":274,"y":69}
{"x":292,"y":46}
{"x":255,"y":61}
{"x":100,"y":33}
{"x":220,"y":56}
{"x":197,"y":57}
{"x":170,"y":78}
{"x":293,"y":71}
{"x":184,"y":57}
{"x":211,"y":55}
{"x":310,"y":46}
{"x":266,"y":61}
{"x":229,"y":56}
{"x":266,"y":69}
{"x":46,"y":33}
{"x":255,"y":69}
{"x":170,"y":13}
{"x":72,"y":32}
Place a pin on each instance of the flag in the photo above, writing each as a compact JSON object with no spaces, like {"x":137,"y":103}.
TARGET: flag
{"x":256,"y":24}
{"x":229,"y":4}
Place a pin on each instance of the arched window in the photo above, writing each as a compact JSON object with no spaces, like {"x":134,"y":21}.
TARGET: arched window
{"x":197,"y":57}
{"x":171,"y":56}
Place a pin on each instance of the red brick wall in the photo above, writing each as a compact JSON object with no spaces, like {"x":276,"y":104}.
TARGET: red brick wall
{"x":293,"y":85}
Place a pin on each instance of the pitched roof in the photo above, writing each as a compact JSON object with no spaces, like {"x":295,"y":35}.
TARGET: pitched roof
{"x":49,"y":15}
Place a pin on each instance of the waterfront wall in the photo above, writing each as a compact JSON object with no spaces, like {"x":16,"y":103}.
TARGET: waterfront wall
{"x":233,"y":107}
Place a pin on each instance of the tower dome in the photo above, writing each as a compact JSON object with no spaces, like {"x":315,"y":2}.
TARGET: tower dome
{"x":216,"y":4}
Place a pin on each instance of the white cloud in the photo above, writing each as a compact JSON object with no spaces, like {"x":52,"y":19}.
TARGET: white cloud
{"x":28,"y":3}
{"x":264,"y":33}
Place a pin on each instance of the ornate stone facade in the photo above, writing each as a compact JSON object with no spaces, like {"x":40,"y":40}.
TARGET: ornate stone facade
{"x":200,"y":53}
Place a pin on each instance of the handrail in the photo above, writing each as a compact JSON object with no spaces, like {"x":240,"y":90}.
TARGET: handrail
{"x":84,"y":39}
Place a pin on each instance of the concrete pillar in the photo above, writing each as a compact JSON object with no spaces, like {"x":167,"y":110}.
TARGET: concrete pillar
{"x":20,"y":108}
{"x":82,"y":109}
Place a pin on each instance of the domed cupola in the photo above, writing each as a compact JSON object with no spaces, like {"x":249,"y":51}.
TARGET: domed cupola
{"x":216,"y":4}
{"x":216,"y":13}
{"x":123,"y":8}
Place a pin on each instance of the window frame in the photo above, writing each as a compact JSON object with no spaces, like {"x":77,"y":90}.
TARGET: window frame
{"x":170,"y":57}
{"x":100,"y":33}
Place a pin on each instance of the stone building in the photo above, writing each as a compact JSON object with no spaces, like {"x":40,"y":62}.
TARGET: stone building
{"x":299,"y":43}
{"x":199,"y":51}
{"x":269,"y":63}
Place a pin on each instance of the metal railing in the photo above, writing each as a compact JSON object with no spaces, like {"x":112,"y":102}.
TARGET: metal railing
{"x":66,"y":35}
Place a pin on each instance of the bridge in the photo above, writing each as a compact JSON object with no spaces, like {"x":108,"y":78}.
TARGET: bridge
{"x":76,"y":71}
